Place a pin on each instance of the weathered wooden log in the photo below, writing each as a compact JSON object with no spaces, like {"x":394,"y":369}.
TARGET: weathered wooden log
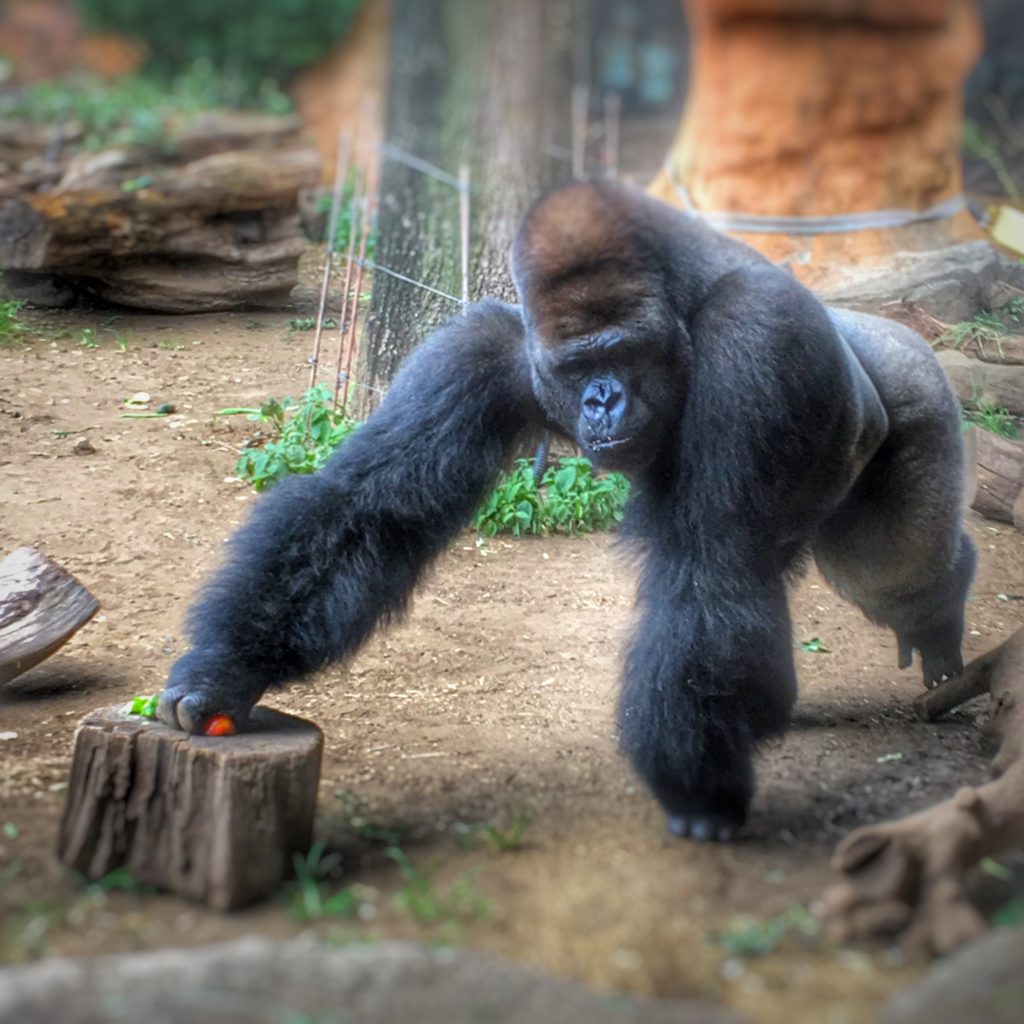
{"x":212,"y":819}
{"x":976,"y":381}
{"x":221,"y":232}
{"x":41,"y":607}
{"x":1000,"y":463}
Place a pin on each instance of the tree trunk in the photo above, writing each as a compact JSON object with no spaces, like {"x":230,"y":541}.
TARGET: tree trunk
{"x":826,"y":107}
{"x":487,"y":84}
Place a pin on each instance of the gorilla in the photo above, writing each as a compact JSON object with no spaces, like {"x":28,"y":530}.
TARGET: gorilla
{"x":756,"y":424}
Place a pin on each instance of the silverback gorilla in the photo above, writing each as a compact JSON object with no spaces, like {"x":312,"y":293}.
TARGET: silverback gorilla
{"x":756,"y":424}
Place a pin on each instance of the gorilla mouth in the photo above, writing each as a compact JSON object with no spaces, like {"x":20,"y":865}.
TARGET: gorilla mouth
{"x":607,"y":444}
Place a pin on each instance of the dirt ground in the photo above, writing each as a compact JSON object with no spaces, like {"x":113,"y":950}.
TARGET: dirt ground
{"x":494,"y":700}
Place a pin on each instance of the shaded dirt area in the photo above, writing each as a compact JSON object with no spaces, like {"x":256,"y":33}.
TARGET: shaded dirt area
{"x":494,"y":699}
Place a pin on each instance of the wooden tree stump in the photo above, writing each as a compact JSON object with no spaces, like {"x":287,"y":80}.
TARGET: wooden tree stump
{"x":41,"y":607}
{"x":212,"y":819}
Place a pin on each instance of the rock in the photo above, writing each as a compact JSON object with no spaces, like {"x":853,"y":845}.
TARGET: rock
{"x":981,"y":983}
{"x":83,"y":446}
{"x":260,"y":980}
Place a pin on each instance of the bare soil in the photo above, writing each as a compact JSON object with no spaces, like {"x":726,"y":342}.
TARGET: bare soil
{"x":494,"y":698}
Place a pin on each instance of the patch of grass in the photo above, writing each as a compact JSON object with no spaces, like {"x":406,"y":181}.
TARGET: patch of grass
{"x":311,"y":900}
{"x":499,"y":836}
{"x":984,"y":327}
{"x":357,"y":819}
{"x":571,"y":499}
{"x":304,"y":434}
{"x":980,"y":144}
{"x":419,"y":897}
{"x":133,"y":110}
{"x":751,"y":936}
{"x":88,"y":338}
{"x":12,"y":330}
{"x":993,"y":418}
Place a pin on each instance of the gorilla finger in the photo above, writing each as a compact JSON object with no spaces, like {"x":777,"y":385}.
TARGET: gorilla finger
{"x":166,"y":707}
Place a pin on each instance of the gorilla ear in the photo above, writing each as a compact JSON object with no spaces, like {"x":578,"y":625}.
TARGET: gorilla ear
{"x":581,"y":260}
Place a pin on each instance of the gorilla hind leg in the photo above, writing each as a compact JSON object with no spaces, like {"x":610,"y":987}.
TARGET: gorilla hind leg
{"x":933,"y":623}
{"x":902,"y":571}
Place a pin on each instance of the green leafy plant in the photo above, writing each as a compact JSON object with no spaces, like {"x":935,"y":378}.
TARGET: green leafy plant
{"x":310,"y":899}
{"x":571,"y":499}
{"x":502,"y":838}
{"x":419,"y":897}
{"x":88,"y":338}
{"x":751,"y":937}
{"x":304,"y":434}
{"x":11,"y":328}
{"x":993,"y":418}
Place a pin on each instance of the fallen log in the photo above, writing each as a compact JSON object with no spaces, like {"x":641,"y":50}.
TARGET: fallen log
{"x":220,"y":232}
{"x":976,"y":381}
{"x":216,"y":820}
{"x":1000,"y":475}
{"x":41,"y":607}
{"x":910,"y":875}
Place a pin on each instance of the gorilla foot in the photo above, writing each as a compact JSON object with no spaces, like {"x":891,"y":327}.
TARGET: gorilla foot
{"x":705,"y":827}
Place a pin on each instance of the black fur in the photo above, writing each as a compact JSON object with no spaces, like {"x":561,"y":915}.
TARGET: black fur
{"x":756,"y":423}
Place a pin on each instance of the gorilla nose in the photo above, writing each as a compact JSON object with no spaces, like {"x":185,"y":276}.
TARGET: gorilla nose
{"x":603,"y":403}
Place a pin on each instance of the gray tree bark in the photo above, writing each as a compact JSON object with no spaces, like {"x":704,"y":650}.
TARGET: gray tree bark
{"x":486,"y":84}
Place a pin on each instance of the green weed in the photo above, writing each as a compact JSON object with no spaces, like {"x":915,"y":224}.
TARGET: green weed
{"x":993,"y":418}
{"x":356,"y":816}
{"x":500,"y":837}
{"x":310,"y":899}
{"x":12,"y":330}
{"x":420,"y":898}
{"x":88,"y":338}
{"x":571,"y":499}
{"x":750,"y":936}
{"x":984,"y":327}
{"x":305,"y":433}
{"x":133,"y":110}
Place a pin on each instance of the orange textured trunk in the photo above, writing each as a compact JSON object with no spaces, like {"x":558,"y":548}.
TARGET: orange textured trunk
{"x":822,"y":108}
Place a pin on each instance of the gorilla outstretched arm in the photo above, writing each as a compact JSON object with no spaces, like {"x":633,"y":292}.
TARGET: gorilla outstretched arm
{"x":323,"y":558}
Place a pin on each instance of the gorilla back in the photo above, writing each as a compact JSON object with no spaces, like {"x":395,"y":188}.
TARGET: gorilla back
{"x":755,"y":423}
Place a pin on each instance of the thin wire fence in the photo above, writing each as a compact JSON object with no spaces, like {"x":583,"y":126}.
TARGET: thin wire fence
{"x":361,"y":219}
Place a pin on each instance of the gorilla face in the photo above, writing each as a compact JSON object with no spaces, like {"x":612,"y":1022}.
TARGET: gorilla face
{"x":617,"y":392}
